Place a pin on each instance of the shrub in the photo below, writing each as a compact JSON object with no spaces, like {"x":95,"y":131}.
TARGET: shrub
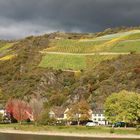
{"x":1,"y":118}
{"x":138,"y":128}
{"x":112,"y":130}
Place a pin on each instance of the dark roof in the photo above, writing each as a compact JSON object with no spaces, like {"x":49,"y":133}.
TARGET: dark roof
{"x":1,"y":106}
{"x":58,"y":111}
{"x":98,"y":111}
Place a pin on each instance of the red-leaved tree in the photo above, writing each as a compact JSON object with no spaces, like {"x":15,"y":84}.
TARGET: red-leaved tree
{"x":10,"y":106}
{"x":19,"y":109}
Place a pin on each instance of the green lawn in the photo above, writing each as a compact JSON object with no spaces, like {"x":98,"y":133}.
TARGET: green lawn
{"x":70,"y":129}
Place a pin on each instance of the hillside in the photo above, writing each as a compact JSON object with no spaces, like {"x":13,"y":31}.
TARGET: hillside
{"x":65,"y":67}
{"x":94,"y":49}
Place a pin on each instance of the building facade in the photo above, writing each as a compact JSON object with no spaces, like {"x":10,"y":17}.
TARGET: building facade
{"x":96,"y":115}
{"x":99,"y":117}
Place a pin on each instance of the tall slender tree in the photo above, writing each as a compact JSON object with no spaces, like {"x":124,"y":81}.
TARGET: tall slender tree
{"x":37,"y":109}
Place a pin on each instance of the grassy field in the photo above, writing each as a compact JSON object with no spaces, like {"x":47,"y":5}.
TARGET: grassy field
{"x":70,"y":129}
{"x":72,"y":62}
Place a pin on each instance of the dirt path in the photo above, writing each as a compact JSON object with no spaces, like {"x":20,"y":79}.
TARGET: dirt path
{"x":133,"y":40}
{"x":102,"y":53}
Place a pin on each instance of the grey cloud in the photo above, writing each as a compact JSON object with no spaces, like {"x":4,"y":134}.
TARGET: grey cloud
{"x":19,"y":18}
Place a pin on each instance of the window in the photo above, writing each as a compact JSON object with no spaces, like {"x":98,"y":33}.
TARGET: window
{"x":103,"y":119}
{"x":52,"y":115}
{"x":95,"y":114}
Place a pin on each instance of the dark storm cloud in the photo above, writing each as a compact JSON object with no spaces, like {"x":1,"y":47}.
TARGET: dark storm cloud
{"x":19,"y":18}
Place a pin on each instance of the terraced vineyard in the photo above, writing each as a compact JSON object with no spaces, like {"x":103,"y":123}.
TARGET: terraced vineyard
{"x":5,"y":52}
{"x":121,"y":34}
{"x":74,"y":46}
{"x":126,"y":46}
{"x":120,"y":42}
{"x":80,"y":54}
{"x":5,"y":46}
{"x":72,"y":62}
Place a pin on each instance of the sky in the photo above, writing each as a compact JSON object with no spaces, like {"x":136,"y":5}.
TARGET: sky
{"x":21,"y":18}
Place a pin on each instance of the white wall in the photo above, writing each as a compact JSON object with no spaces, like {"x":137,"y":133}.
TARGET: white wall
{"x":2,"y":111}
{"x":100,"y":118}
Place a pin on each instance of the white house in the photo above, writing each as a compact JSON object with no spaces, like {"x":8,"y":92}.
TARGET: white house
{"x":65,"y":114}
{"x":57,"y":113}
{"x":2,"y":111}
{"x":99,"y":117}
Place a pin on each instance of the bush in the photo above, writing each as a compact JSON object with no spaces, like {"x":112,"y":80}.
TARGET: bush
{"x":112,"y":130}
{"x":138,"y":128}
{"x":1,"y":118}
{"x":46,"y":120}
{"x":61,"y":123}
{"x":132,"y":52}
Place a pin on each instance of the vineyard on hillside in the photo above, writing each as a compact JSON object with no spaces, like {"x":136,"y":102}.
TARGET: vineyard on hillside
{"x":65,"y":53}
{"x":120,"y":42}
{"x":72,"y":62}
{"x":74,"y":46}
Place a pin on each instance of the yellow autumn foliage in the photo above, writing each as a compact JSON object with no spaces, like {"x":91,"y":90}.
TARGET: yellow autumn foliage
{"x":8,"y":57}
{"x":77,"y":73}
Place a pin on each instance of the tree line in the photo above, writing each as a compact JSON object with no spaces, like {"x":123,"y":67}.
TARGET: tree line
{"x":119,"y":107}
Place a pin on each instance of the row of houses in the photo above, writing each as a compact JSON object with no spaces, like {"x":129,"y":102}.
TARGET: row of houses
{"x":59,"y":113}
{"x":96,"y":115}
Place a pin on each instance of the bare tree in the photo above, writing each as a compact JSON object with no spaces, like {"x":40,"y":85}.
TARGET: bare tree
{"x":37,"y":108}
